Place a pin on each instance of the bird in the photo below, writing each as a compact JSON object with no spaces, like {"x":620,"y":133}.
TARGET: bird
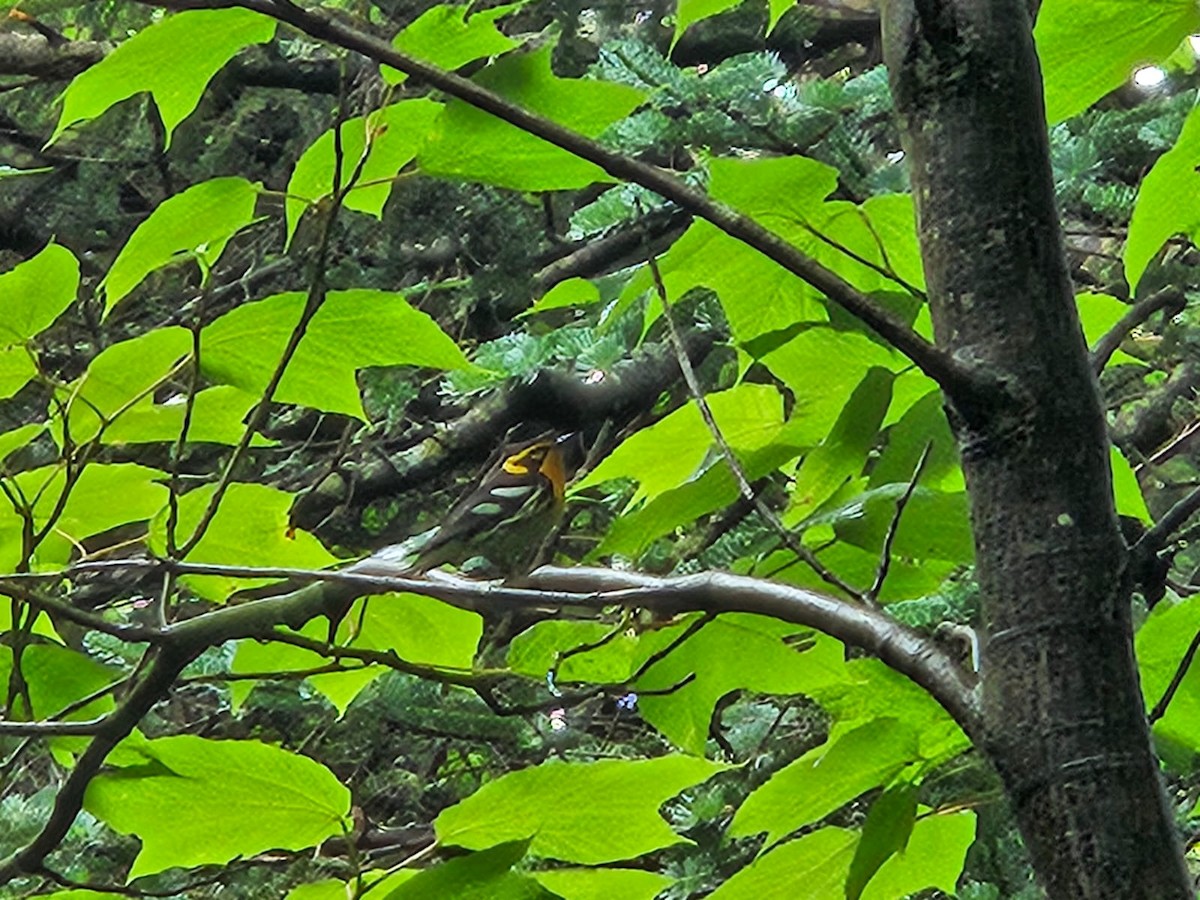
{"x":509,"y":512}
{"x":497,"y":528}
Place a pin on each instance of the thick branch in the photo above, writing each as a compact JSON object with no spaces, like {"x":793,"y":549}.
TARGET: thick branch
{"x":904,"y":649}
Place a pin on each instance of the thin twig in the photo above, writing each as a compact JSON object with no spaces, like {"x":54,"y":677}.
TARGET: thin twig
{"x":885,"y":554}
{"x":735,"y":466}
{"x":1160,"y":708}
{"x":1168,"y":297}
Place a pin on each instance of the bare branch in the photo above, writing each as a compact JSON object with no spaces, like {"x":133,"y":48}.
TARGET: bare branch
{"x":1167,"y":298}
{"x":1160,"y":708}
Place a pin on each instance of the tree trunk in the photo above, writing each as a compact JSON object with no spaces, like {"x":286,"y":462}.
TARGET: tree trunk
{"x":1064,"y":720}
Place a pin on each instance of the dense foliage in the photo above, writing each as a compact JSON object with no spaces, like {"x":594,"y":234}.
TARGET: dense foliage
{"x":269,"y":305}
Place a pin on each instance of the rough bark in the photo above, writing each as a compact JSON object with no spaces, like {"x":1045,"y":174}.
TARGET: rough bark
{"x":1064,"y":721}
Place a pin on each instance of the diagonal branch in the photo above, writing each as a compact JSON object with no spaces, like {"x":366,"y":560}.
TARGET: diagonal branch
{"x":1171,"y":298}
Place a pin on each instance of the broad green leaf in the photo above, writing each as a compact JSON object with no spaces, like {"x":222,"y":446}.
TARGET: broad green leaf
{"x":826,"y":778}
{"x":1088,"y":48}
{"x":1098,"y":313}
{"x":378,"y":882}
{"x":207,"y":802}
{"x":886,"y":832}
{"x":120,"y":375}
{"x":586,"y":813}
{"x":734,"y":652}
{"x":1161,"y":644}
{"x":906,"y":579}
{"x":688,"y":12}
{"x":352,"y":330}
{"x":89,"y":508}
{"x":923,"y":425}
{"x":486,"y":875}
{"x":679,"y":448}
{"x":574,"y":292}
{"x":32,"y":295}
{"x":195,"y":224}
{"x":473,"y":145}
{"x":604,"y":884}
{"x":870,"y":691}
{"x":173,"y":59}
{"x":450,"y":36}
{"x":419,"y":629}
{"x":633,"y":532}
{"x":389,"y":137}
{"x":842,"y":454}
{"x":822,"y":366}
{"x":612,"y":659}
{"x":935,"y":524}
{"x":218,"y":416}
{"x":1168,"y":200}
{"x":786,"y":195}
{"x":36,"y":292}
{"x":264,"y":657}
{"x":933,"y":858}
{"x":813,"y":867}
{"x":250,"y":528}
{"x":1127,"y":493}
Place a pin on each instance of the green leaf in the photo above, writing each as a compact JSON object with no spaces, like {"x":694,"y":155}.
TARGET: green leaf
{"x":842,"y":454}
{"x":933,"y":858}
{"x":923,"y":425}
{"x":734,"y":652}
{"x":574,"y":292}
{"x":218,"y":416}
{"x":476,"y":146}
{"x":17,"y":439}
{"x":604,"y":884}
{"x":352,"y":330}
{"x":587,"y":813}
{"x":89,"y":509}
{"x":613,"y":659}
{"x":486,"y":875}
{"x":689,"y":12}
{"x":886,"y":832}
{"x":1098,"y":313}
{"x":36,"y":292}
{"x":389,"y":137}
{"x":823,"y":366}
{"x":207,"y":802}
{"x":1168,"y":201}
{"x":1161,"y":643}
{"x":679,"y":447}
{"x":1127,"y":493}
{"x":935,"y":524}
{"x":1089,"y":48}
{"x":826,"y":778}
{"x":250,"y":528}
{"x":869,"y":691}
{"x":786,"y":195}
{"x":633,"y":532}
{"x":261,"y":657}
{"x":32,"y":295}
{"x":451,"y":36}
{"x":120,"y":375}
{"x":173,"y":59}
{"x":813,"y":867}
{"x":195,"y":224}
